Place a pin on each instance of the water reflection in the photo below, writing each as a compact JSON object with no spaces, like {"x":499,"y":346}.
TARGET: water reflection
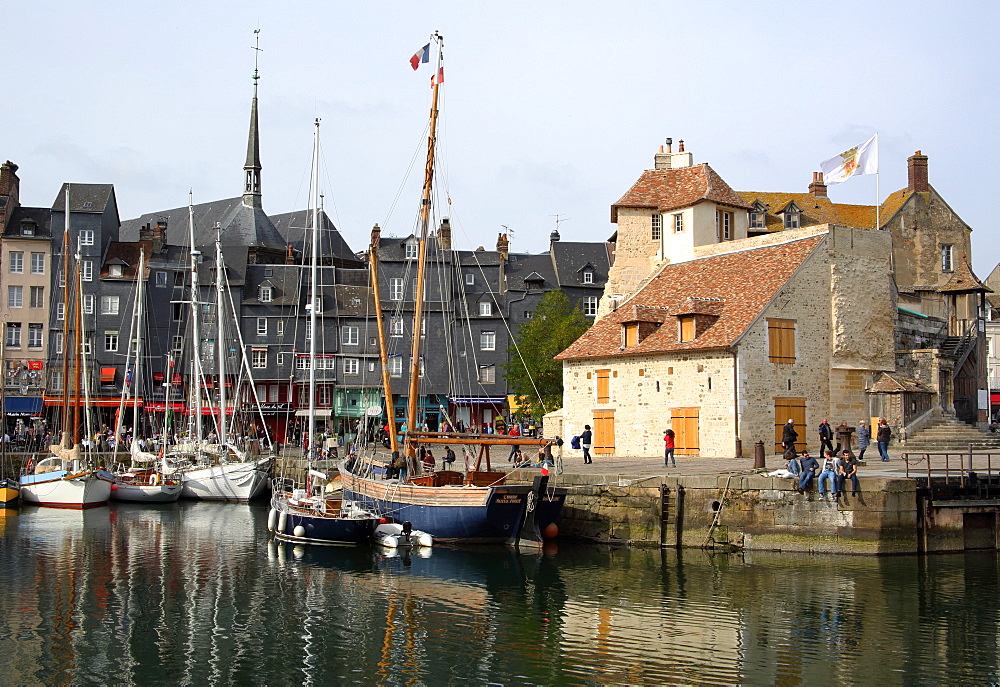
{"x":196,"y":593}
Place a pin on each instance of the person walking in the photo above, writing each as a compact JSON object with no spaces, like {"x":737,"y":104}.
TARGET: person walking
{"x":514,"y":431}
{"x":825,"y":437}
{"x":882,"y":436}
{"x":586,"y":441}
{"x":864,"y":439}
{"x":788,"y":437}
{"x":668,"y":450}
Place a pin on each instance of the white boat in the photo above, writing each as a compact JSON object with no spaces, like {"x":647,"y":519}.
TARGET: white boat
{"x":54,"y":483}
{"x":394,"y":535}
{"x":239,"y":481}
{"x":129,"y":487}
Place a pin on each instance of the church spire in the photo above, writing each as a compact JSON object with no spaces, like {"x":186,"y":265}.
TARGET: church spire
{"x":251,"y":187}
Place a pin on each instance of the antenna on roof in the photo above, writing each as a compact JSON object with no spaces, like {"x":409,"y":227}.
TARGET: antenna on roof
{"x":560,"y":219}
{"x":257,"y":50}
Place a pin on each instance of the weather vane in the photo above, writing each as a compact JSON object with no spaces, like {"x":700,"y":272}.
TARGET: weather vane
{"x":257,"y":50}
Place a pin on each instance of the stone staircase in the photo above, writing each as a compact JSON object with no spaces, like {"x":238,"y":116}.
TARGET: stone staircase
{"x":949,"y":434}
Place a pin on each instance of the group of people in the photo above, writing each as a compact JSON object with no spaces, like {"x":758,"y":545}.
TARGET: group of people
{"x":883,"y":434}
{"x":835,"y":471}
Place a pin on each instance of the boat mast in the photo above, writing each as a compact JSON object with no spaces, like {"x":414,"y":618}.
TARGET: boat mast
{"x":425,"y":211}
{"x":220,"y":276}
{"x":195,"y":324}
{"x":80,"y":343}
{"x":66,"y":329}
{"x":382,"y":352}
{"x":313,"y":295}
{"x":137,"y":366}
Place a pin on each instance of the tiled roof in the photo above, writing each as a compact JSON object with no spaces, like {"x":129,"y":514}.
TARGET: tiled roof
{"x":963,"y":280}
{"x":815,"y":210}
{"x":671,"y":189}
{"x":739,"y":286}
{"x":892,"y":383}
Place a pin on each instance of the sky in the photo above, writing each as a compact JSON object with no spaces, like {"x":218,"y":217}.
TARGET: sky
{"x":550,"y":109}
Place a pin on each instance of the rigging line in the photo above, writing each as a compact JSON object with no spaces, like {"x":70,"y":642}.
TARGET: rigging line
{"x":421,"y":145}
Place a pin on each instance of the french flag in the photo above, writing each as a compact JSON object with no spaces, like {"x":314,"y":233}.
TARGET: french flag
{"x":421,"y":56}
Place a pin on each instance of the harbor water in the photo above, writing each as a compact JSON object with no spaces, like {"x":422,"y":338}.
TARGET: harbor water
{"x":197,"y":593}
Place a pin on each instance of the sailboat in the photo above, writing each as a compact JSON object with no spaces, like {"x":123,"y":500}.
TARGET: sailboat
{"x":67,"y":479}
{"x":219,"y":471}
{"x":145,"y":480}
{"x":475,"y":506}
{"x":313,"y":514}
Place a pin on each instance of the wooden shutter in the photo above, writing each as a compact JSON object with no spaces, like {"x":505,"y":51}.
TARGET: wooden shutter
{"x":794,"y":408}
{"x":604,"y":432}
{"x":684,"y":422}
{"x":687,"y":327}
{"x":631,"y":334}
{"x":603,"y":386}
{"x":781,"y":340}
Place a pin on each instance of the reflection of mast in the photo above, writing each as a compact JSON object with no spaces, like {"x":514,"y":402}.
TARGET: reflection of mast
{"x":425,"y":210}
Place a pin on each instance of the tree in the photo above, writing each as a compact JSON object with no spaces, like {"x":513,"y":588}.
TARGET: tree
{"x":533,"y":377}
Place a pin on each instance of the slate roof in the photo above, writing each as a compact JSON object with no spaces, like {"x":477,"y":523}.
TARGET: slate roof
{"x":293,"y":227}
{"x":671,"y":189}
{"x":126,"y":254}
{"x":571,"y":256}
{"x":41,"y":217}
{"x":84,"y":198}
{"x":739,"y":286}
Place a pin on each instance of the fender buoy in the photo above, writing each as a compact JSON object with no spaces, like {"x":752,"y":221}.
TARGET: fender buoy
{"x":299,"y":531}
{"x":282,"y":520}
{"x":272,"y":519}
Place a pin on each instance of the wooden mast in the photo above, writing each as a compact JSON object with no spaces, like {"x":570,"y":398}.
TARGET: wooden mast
{"x":382,"y":352}
{"x":425,"y":211}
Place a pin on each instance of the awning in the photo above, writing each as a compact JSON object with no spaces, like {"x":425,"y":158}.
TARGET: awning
{"x":994,"y":398}
{"x":492,"y":400}
{"x":96,"y":402}
{"x":108,"y":375}
{"x":22,"y":406}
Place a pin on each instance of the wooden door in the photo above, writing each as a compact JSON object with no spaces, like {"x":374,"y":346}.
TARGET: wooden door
{"x":794,"y":408}
{"x":684,"y":422}
{"x":604,"y":432}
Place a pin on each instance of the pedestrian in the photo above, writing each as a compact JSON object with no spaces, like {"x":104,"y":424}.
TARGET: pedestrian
{"x":515,"y":431}
{"x":789,"y":436}
{"x":586,"y":441}
{"x":829,"y":472}
{"x":428,"y":460}
{"x":864,"y":439}
{"x":809,"y":468}
{"x":668,"y":451}
{"x":825,"y":437}
{"x":849,"y":471}
{"x":882,"y":436}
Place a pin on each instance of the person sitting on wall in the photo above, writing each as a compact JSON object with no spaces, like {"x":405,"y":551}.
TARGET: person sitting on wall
{"x":829,"y":472}
{"x":794,"y":466}
{"x":849,"y":471}
{"x":809,"y":468}
{"x":428,"y":460}
{"x":449,"y":458}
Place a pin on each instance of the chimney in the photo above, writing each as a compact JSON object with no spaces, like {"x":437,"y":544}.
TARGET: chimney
{"x":10,"y":192}
{"x":145,"y":234}
{"x":916,"y":173}
{"x":554,"y":236}
{"x":290,"y":254}
{"x":444,"y":234}
{"x":159,"y":235}
{"x":818,"y":186}
{"x":503,"y":246}
{"x":681,"y":148}
{"x":662,"y":159}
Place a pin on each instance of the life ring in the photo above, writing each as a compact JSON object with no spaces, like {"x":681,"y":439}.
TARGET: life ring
{"x":154,"y":479}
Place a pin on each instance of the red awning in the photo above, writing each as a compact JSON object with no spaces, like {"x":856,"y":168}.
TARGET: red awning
{"x":108,"y":374}
{"x":994,"y":398}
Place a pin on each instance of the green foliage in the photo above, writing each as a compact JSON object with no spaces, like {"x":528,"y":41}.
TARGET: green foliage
{"x":532,"y":375}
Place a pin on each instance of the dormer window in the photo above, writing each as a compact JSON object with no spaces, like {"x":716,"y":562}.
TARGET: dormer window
{"x":757,"y":216}
{"x":588,"y":276}
{"x":265,"y":294}
{"x":27,"y":228}
{"x":115,"y":271}
{"x":411,"y":250}
{"x":631,"y":334}
{"x":792,"y":216}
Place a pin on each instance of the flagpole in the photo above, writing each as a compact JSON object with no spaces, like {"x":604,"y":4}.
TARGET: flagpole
{"x":878,"y":196}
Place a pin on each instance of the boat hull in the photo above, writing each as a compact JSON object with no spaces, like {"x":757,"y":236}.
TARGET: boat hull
{"x":321,"y":529}
{"x":63,"y":490}
{"x":147,"y":493}
{"x":10,"y":493}
{"x":227,"y":482}
{"x":453,"y":513}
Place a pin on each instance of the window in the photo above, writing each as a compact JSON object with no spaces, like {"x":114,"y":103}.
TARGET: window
{"x":13,"y":338}
{"x":487,"y":374}
{"x":88,"y":304}
{"x":57,"y":342}
{"x":395,"y":366}
{"x":757,"y":216}
{"x":35,"y":330}
{"x":947,"y":257}
{"x":395,"y":289}
{"x":604,"y":386}
{"x":36,"y":297}
{"x":87,"y":270}
{"x":421,"y":366}
{"x":178,"y":343}
{"x":16,"y":262}
{"x":349,"y":336}
{"x":265,"y":294}
{"x":85,"y":238}
{"x":273,"y":392}
{"x":487,"y":341}
{"x":302,"y":363}
{"x":62,"y":279}
{"x":177,"y":311}
{"x":56,"y":380}
{"x":781,"y":340}
{"x":261,"y":326}
{"x":161,"y":279}
{"x":791,"y":216}
{"x":372,"y":341}
{"x":678,"y":223}
{"x":723,"y":225}
{"x":258,"y":359}
{"x":351,"y":366}
{"x":657,"y":232}
{"x":179,"y":278}
{"x":15,"y":296}
{"x":470,"y":279}
{"x":687,"y":332}
{"x":588,"y":276}
{"x":60,"y":311}
{"x":110,"y":341}
{"x":324,"y":395}
{"x":485,"y":309}
{"x":109,"y":305}
{"x":115,"y":271}
{"x":280,"y":327}
{"x":268,"y":271}
{"x":528,"y":314}
{"x":27,"y":228}
{"x":631,"y":334}
{"x":38,"y":263}
{"x":395,"y":326}
{"x":590,"y":305}
{"x":412,"y":251}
